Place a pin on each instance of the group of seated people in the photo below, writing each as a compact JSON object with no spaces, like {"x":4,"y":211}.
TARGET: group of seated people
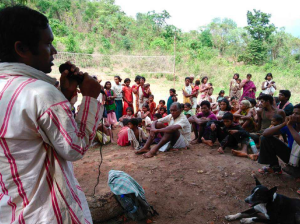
{"x":272,"y":123}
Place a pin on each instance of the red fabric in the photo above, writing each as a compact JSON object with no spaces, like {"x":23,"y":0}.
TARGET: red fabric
{"x":152,"y":109}
{"x":129,"y":97}
{"x":123,"y":137}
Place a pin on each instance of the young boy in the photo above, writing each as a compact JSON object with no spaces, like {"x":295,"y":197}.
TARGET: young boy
{"x":123,"y":134}
{"x":234,"y":134}
{"x":136,"y":136}
{"x":172,"y":98}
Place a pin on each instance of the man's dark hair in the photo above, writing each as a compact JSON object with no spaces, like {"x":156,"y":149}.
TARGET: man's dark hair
{"x":137,"y":78}
{"x":228,"y":116}
{"x":252,"y":101}
{"x":205,"y":103}
{"x":158,"y":116}
{"x":125,"y":121}
{"x":173,"y":90}
{"x":267,"y":98}
{"x":20,"y":23}
{"x":286,"y":93}
{"x":278,"y":118}
{"x":134,"y":121}
{"x":187,"y":78}
{"x":297,"y":106}
{"x":140,"y":120}
{"x":269,"y":75}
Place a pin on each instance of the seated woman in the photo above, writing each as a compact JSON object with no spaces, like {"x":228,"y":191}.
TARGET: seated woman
{"x":199,"y":122}
{"x":245,"y":117}
{"x":224,"y":108}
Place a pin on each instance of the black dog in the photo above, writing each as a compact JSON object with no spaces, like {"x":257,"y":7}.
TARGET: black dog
{"x":272,"y":207}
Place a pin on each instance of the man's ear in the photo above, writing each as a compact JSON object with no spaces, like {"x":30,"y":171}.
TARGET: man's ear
{"x":21,"y":50}
{"x":272,"y":191}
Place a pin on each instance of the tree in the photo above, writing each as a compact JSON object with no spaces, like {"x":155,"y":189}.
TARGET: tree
{"x":260,"y":31}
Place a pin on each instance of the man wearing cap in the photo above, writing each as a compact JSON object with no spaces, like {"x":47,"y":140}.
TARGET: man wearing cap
{"x":284,"y":97}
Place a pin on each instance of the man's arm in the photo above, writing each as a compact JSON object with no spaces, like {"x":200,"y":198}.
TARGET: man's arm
{"x":291,"y":120}
{"x":274,"y":130}
{"x":168,"y":129}
{"x":259,"y":119}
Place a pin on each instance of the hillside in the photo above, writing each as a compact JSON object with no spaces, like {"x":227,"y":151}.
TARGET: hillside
{"x":217,"y":50}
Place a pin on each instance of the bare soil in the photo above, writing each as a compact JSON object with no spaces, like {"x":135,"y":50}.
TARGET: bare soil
{"x":197,"y":185}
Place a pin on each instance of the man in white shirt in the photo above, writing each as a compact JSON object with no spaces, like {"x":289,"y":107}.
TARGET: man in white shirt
{"x":39,"y":136}
{"x":178,"y":132}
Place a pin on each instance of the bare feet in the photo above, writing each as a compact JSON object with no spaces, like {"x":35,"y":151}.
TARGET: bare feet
{"x":238,"y":153}
{"x":194,"y":142}
{"x":207,"y":142}
{"x":148,"y":155}
{"x":220,"y":150}
{"x":142,"y":151}
{"x":254,"y":157}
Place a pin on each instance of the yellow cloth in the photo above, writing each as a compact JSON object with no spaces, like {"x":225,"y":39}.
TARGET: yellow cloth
{"x":188,"y":90}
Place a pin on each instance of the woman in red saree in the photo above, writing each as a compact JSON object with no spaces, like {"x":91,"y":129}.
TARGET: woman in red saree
{"x":249,"y":88}
{"x":127,"y":96}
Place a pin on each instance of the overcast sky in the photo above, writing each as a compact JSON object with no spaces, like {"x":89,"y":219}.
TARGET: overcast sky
{"x":191,"y":14}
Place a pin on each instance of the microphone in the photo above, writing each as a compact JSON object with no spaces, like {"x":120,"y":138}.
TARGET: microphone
{"x":71,"y":75}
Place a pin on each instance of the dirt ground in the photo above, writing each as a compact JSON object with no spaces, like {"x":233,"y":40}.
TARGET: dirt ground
{"x":197,"y":185}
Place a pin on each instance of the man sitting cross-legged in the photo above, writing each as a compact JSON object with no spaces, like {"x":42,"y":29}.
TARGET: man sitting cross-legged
{"x":178,"y":132}
{"x":271,"y":147}
{"x":200,"y":120}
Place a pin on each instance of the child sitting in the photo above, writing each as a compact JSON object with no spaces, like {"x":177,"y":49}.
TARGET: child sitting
{"x":136,"y":136}
{"x":129,"y":116}
{"x":224,"y":108}
{"x":152,"y":106}
{"x":145,"y":114}
{"x":123,"y":134}
{"x":234,"y":134}
{"x":187,"y":110}
{"x":221,"y":95}
{"x":161,"y":103}
{"x":163,"y":111}
{"x":104,"y":134}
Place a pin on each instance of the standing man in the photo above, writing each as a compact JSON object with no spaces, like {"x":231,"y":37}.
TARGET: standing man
{"x":284,"y":97}
{"x":38,"y":134}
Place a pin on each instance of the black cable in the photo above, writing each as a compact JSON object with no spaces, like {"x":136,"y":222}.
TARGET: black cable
{"x":99,"y":171}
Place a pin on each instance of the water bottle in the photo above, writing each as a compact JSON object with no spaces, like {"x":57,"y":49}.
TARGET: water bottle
{"x":128,"y":203}
{"x":252,"y":145}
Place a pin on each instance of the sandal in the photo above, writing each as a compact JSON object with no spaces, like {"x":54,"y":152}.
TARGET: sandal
{"x":270,"y":170}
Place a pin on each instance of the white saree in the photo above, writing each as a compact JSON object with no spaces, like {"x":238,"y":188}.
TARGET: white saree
{"x":38,"y":140}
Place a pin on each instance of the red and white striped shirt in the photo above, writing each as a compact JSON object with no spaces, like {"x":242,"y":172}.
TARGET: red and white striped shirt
{"x":38,"y":140}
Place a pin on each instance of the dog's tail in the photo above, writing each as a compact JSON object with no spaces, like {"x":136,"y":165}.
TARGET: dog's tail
{"x":255,"y":178}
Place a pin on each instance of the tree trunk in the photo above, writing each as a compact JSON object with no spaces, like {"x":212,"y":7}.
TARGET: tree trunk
{"x":104,"y":207}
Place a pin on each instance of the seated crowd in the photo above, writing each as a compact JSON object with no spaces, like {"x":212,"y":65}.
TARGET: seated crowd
{"x":234,"y":121}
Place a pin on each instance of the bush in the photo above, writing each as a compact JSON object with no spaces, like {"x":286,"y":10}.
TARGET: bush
{"x":158,"y":43}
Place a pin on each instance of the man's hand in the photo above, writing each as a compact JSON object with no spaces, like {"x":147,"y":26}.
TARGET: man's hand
{"x":233,"y":132}
{"x":69,"y":86}
{"x":90,"y":87}
{"x":291,"y":120}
